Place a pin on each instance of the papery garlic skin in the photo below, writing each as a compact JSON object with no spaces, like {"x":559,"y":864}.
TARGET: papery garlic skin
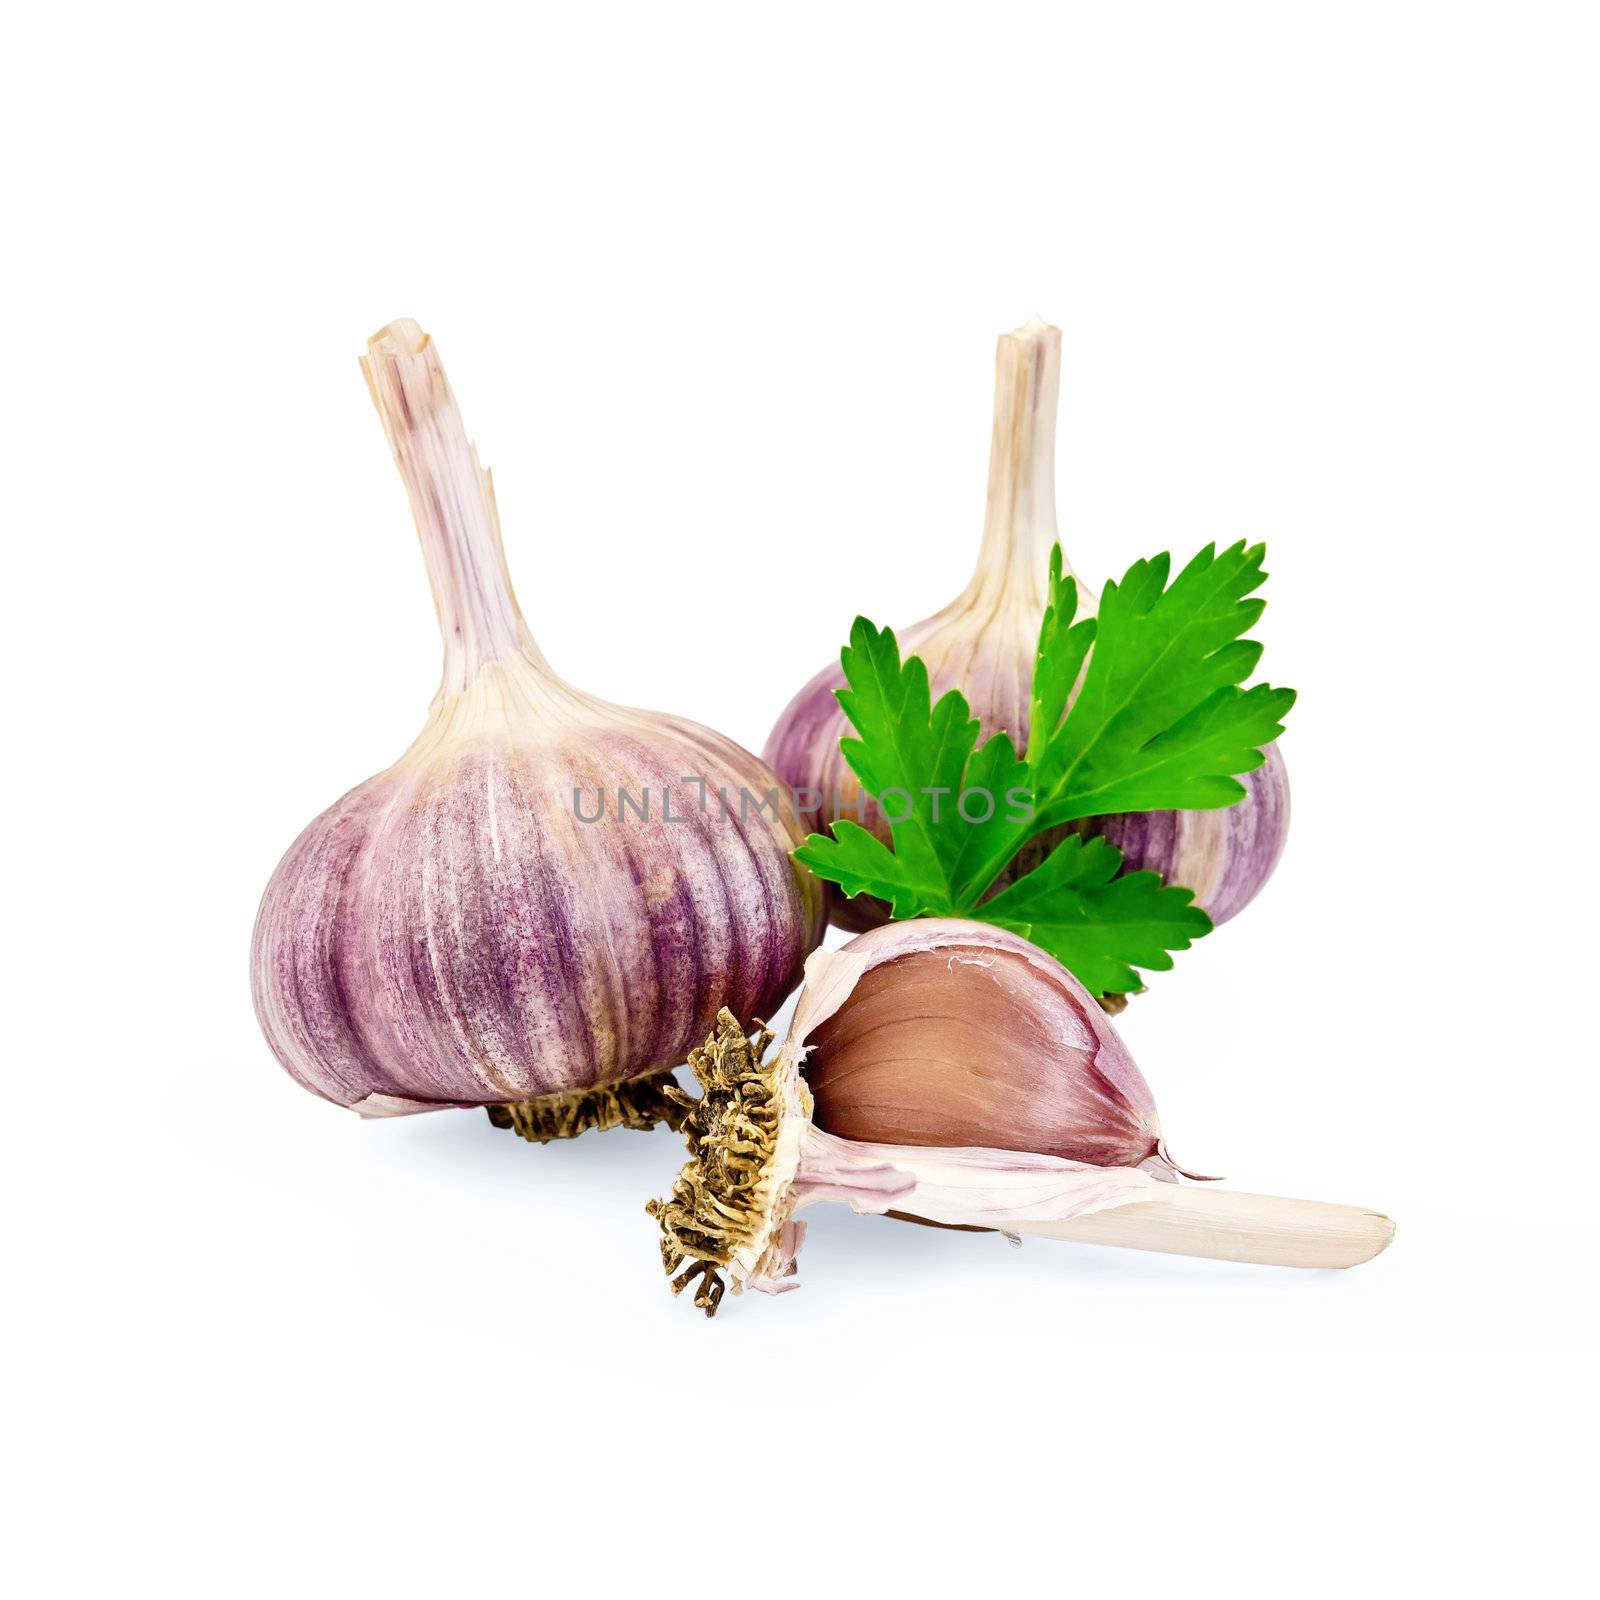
{"x":454,"y":931}
{"x":984,"y":644}
{"x":960,"y":1188}
{"x":451,"y":932}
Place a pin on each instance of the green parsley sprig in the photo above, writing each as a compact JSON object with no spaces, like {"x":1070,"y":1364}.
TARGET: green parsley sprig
{"x":1159,"y":722}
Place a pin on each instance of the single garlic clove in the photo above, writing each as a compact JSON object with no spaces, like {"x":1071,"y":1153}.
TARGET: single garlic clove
{"x":875,"y":1102}
{"x":959,"y":1034}
{"x":984,"y":643}
{"x":489,"y":922}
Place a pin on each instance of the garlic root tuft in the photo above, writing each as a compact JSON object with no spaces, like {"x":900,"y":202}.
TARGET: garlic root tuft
{"x":639,"y":1103}
{"x":720,"y":1203}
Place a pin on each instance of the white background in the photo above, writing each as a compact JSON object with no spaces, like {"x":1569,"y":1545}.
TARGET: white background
{"x":718,"y":288}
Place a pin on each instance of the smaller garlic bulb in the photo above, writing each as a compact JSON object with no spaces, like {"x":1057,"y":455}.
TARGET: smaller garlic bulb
{"x":946,"y":1071}
{"x":541,"y":905}
{"x":984,"y":644}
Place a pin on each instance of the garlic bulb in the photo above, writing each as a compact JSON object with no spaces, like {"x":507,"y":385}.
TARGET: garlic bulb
{"x":541,"y":905}
{"x":984,"y":643}
{"x":954,"y":1074}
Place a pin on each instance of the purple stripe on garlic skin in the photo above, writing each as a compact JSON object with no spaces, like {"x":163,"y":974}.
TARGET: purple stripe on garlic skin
{"x":1225,"y":856}
{"x":984,"y":644}
{"x":450,"y":932}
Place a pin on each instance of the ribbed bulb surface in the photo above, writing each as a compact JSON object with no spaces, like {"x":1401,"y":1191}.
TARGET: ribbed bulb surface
{"x":464,"y":928}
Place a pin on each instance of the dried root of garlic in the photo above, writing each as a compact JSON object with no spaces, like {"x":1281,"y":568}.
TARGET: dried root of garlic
{"x":638,"y":1103}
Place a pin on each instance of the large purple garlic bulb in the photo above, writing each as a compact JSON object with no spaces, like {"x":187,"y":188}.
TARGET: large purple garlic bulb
{"x":984,"y":643}
{"x":541,"y":906}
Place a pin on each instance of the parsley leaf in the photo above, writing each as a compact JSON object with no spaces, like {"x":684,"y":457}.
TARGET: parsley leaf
{"x":1063,"y":644}
{"x":993,"y":773}
{"x":1138,"y":709}
{"x":911,"y":756}
{"x":1072,"y":905}
{"x":861,"y":863}
{"x":1097,"y":925}
{"x":1160,"y":723}
{"x":908,"y":756}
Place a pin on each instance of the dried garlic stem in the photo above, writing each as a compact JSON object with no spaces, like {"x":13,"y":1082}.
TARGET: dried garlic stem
{"x":452,"y":499}
{"x":1020,"y":520}
{"x":1223,"y":1225}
